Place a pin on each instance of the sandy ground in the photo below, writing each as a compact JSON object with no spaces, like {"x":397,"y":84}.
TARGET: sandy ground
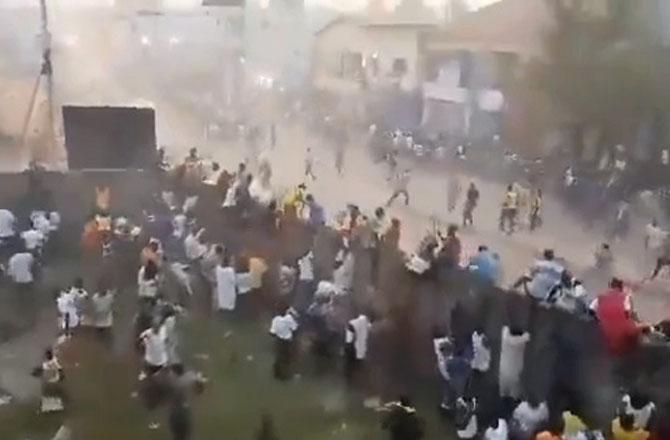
{"x":364,"y":183}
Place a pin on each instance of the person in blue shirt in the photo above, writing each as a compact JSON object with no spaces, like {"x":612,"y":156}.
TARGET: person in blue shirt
{"x":317,"y":216}
{"x":485,"y":265}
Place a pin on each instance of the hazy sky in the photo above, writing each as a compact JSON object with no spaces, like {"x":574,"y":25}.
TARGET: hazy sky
{"x":338,"y":4}
{"x":354,"y":4}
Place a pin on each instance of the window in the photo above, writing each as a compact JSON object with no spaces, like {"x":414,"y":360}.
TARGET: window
{"x":351,"y":65}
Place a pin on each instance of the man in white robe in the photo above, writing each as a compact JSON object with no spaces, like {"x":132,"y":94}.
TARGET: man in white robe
{"x":356,"y":340}
{"x":226,"y":291}
{"x":194,"y":246}
{"x":513,"y":347}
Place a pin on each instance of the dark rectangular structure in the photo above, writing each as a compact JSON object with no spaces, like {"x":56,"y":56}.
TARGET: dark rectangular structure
{"x":109,"y":137}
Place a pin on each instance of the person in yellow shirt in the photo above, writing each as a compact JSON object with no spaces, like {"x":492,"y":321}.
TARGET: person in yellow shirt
{"x":623,"y":428}
{"x":573,"y":424}
{"x":295,"y":201}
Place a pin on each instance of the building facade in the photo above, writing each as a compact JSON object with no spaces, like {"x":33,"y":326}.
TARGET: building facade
{"x":365,"y":62}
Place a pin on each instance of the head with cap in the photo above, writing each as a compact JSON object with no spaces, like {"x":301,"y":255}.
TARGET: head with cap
{"x":548,"y":254}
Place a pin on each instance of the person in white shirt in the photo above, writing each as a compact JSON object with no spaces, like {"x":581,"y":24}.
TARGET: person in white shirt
{"x":147,"y":281}
{"x":306,"y":267}
{"x":465,"y":418}
{"x":169,"y":329}
{"x":67,"y":311}
{"x":40,"y":222}
{"x":33,"y":240}
{"x":155,"y":350}
{"x":20,"y":268}
{"x":343,"y":275}
{"x":497,"y":431}
{"x":283,"y":328}
{"x":654,"y":239}
{"x":54,"y":221}
{"x":7,"y":222}
{"x":480,"y":362}
{"x":512,"y":350}
{"x":356,"y":344}
{"x":194,"y":246}
{"x":69,"y":304}
{"x":179,"y":222}
{"x":481,"y":353}
{"x":226,"y":286}
{"x":305,"y":286}
{"x":400,"y":186}
{"x":103,"y":313}
{"x":309,"y":164}
{"x":641,"y":408}
{"x":529,"y":416}
{"x":656,"y":242}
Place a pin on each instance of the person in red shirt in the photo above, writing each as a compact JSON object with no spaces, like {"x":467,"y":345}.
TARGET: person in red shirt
{"x":615,"y":314}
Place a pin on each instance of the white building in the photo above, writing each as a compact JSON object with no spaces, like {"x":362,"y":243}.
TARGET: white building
{"x":278,"y":39}
{"x":357,"y":59}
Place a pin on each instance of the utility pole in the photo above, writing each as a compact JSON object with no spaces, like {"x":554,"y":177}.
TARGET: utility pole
{"x":46,"y":74}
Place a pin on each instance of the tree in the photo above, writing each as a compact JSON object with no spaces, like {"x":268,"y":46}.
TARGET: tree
{"x":603,"y":72}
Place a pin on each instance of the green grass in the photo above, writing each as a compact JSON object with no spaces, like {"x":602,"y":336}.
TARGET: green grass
{"x":239,"y":392}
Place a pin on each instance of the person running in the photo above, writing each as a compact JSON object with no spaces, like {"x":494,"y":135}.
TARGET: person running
{"x":356,"y":345}
{"x":616,"y":317}
{"x":663,"y":260}
{"x":52,"y":376}
{"x":103,"y":314}
{"x":340,"y":147}
{"x":509,"y":210}
{"x":657,"y":244}
{"x":283,"y":329}
{"x":392,"y":163}
{"x":471,"y":200}
{"x":309,"y":164}
{"x":453,"y":192}
{"x":535,"y":220}
{"x":400,"y":186}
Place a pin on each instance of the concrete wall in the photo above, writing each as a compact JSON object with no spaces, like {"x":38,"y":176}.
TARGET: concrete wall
{"x":387,"y":43}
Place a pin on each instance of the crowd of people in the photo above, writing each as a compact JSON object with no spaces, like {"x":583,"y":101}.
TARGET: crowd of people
{"x":316,"y":300}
